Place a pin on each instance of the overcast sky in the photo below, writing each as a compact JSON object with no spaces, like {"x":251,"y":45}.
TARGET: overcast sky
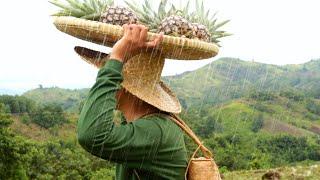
{"x":33,"y":52}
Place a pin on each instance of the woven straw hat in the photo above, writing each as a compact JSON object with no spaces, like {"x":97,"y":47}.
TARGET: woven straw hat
{"x":141,"y":77}
{"x":107,"y":34}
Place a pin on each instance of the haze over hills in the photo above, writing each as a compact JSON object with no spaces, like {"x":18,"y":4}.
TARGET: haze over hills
{"x":222,"y":80}
{"x":234,"y":91}
{"x":230,"y":78}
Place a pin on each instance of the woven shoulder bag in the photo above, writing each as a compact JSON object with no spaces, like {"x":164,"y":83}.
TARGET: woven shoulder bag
{"x":201,"y":168}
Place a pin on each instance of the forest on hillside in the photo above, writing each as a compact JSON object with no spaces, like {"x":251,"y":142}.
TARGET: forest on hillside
{"x":250,"y":127}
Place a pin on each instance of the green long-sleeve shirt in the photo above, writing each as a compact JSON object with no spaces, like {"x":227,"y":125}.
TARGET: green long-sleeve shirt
{"x":152,"y":145}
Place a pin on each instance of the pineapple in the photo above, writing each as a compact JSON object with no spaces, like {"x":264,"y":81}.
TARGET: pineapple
{"x":201,"y":32}
{"x":170,"y":22}
{"x":117,"y":15}
{"x":181,"y":22}
{"x":205,"y":27}
{"x":97,"y":10}
{"x":176,"y":26}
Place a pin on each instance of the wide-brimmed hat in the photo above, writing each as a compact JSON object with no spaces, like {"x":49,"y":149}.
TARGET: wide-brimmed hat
{"x":141,"y":77}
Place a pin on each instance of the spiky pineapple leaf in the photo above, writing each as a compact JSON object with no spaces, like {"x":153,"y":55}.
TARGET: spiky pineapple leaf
{"x":87,"y":9}
{"x":94,"y":17}
{"x":67,"y":8}
{"x":221,"y":24}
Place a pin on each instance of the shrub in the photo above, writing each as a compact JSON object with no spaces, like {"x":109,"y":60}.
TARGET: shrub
{"x":293,"y":95}
{"x":313,"y":106}
{"x":25,"y":119}
{"x":49,"y":116}
{"x":257,"y":123}
{"x":262,"y":96}
{"x":288,"y":149}
{"x":18,"y":104}
{"x":208,"y":126}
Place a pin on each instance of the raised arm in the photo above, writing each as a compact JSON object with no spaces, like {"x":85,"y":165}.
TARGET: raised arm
{"x":97,"y":132}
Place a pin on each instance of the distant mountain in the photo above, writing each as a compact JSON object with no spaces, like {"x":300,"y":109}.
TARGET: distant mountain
{"x":67,"y":98}
{"x":230,"y":78}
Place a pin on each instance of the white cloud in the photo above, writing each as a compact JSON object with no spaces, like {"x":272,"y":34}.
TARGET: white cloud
{"x":33,"y":52}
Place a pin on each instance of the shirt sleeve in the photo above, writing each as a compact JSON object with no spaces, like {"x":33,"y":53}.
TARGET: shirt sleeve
{"x":99,"y":135}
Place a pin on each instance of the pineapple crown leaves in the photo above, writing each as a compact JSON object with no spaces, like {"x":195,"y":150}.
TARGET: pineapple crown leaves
{"x":145,"y":14}
{"x":86,"y":9}
{"x":153,"y":18}
{"x":202,"y":16}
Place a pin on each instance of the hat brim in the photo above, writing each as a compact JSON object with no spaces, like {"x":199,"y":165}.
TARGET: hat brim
{"x":158,"y":95}
{"x":106,"y":34}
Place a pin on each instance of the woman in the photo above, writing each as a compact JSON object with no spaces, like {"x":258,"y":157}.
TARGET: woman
{"x":146,"y":145}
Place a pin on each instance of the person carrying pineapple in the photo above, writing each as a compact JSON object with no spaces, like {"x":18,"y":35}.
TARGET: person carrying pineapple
{"x":146,"y":145}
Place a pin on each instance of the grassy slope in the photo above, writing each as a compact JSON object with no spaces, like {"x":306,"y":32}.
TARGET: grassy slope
{"x":33,"y":131}
{"x":309,"y":171}
{"x":238,"y":116}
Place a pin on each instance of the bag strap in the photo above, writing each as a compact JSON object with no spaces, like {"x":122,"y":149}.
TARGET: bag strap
{"x":191,"y":134}
{"x":176,"y":119}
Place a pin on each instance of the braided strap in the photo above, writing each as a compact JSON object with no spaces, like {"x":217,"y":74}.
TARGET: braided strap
{"x":207,"y":154}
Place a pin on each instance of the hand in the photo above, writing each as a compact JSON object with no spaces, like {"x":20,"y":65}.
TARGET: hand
{"x":132,"y":42}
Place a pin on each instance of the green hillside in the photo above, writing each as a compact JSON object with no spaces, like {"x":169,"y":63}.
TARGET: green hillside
{"x":222,"y":80}
{"x":251,"y":115}
{"x":279,"y":115}
{"x":229,"y":78}
{"x":68,"y":99}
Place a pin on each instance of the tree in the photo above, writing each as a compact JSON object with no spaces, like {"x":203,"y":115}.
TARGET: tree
{"x":10,"y":159}
{"x":18,"y":104}
{"x":49,"y":116}
{"x":257,"y":123}
{"x":209,"y":126}
{"x":313,"y":106}
{"x":262,"y":95}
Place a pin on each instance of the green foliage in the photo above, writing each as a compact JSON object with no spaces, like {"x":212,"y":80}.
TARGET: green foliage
{"x":294,"y":95}
{"x":262,"y":96}
{"x":25,"y":118}
{"x":257,"y":123}
{"x":208,"y":126}
{"x":230,"y":78}
{"x":311,"y":116}
{"x":288,"y":149}
{"x":17,"y":104}
{"x":24,"y":159}
{"x":259,"y":106}
{"x":49,"y":116}
{"x":105,"y":173}
{"x":236,"y":152}
{"x":10,"y":148}
{"x":313,"y":106}
{"x":69,"y":100}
